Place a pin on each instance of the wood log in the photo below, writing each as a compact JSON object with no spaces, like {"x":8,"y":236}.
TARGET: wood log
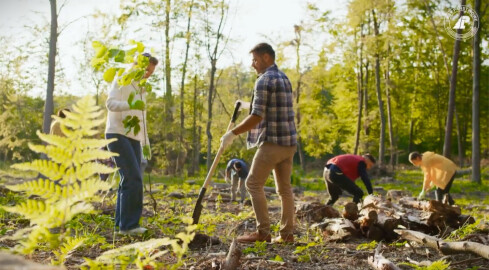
{"x":316,"y":212}
{"x":375,"y":232}
{"x":395,"y":195}
{"x":233,"y":257}
{"x":432,"y":206}
{"x":379,"y":262}
{"x":351,"y":211}
{"x":446,"y":248}
{"x":368,"y":219}
{"x":337,"y":229}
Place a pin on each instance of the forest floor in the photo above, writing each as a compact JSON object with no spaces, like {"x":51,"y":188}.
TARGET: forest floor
{"x":223,"y":221}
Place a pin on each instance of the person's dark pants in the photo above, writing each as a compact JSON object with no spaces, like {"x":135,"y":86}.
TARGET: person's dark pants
{"x":440,"y":193}
{"x":336,"y":181}
{"x":130,"y":193}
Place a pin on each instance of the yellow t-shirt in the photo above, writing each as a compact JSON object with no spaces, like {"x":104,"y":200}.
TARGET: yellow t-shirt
{"x":438,"y":170}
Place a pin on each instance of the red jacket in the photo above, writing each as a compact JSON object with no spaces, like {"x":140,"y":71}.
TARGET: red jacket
{"x":348,"y":164}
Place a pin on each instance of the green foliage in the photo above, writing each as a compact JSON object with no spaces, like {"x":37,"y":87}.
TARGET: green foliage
{"x":112,"y":63}
{"x":464,"y":231}
{"x":66,"y":249}
{"x":259,"y":249}
{"x":438,"y":265}
{"x":143,"y":254}
{"x":304,"y":252}
{"x":368,"y":246}
{"x":277,"y":258}
{"x":70,"y":181}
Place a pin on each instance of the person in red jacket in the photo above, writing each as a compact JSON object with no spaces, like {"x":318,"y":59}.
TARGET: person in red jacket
{"x":341,"y":172}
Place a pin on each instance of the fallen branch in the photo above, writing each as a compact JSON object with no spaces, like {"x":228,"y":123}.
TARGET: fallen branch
{"x":446,"y":248}
{"x":379,"y":262}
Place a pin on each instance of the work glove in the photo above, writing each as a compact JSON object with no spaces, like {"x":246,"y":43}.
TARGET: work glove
{"x":244,"y":104}
{"x":421,"y":195}
{"x":135,"y":105}
{"x":227,"y":139}
{"x":147,"y":152}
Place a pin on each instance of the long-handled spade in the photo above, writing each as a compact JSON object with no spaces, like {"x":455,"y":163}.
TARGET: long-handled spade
{"x":198,"y":205}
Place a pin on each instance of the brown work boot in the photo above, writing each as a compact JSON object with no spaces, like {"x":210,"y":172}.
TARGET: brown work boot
{"x":253,"y":237}
{"x":289,"y":239}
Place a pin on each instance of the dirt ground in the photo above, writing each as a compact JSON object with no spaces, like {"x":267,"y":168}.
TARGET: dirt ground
{"x":322,"y":254}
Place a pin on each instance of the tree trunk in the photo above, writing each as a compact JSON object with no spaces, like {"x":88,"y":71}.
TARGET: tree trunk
{"x":389,"y":113}
{"x":298,"y":42}
{"x":360,"y":94}
{"x":209,"y":115}
{"x":49,"y":104}
{"x":379,"y":97}
{"x":451,"y":100}
{"x":365,"y":106}
{"x":182,"y":152}
{"x":213,"y":57}
{"x":194,"y":166}
{"x":459,"y":140}
{"x":476,"y":67}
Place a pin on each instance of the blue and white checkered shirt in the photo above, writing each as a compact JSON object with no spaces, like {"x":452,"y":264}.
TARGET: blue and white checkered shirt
{"x":273,"y":100}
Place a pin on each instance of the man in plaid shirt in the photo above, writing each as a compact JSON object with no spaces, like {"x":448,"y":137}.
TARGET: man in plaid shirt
{"x":271,"y":128}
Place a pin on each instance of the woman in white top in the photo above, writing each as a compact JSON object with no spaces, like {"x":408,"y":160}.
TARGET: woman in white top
{"x":128,"y":145}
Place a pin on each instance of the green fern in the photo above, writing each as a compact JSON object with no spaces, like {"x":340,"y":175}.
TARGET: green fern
{"x":70,"y":245}
{"x":70,"y":180}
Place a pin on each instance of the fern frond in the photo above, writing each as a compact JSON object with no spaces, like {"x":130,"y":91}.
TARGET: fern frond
{"x":56,"y":154}
{"x":48,"y":168}
{"x":94,"y":143}
{"x":35,"y":210}
{"x":89,"y":169}
{"x":43,"y":188}
{"x":84,"y":191}
{"x":88,"y":155}
{"x":139,"y":247}
{"x":59,"y":141}
{"x":65,"y":251}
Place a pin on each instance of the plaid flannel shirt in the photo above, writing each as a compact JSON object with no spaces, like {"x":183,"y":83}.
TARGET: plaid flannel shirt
{"x":273,"y":100}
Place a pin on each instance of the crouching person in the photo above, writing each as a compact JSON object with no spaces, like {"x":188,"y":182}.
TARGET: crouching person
{"x":341,"y":172}
{"x":236,"y":173}
{"x":438,"y":171}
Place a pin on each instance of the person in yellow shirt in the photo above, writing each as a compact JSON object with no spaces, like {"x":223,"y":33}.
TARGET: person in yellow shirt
{"x":438,"y":171}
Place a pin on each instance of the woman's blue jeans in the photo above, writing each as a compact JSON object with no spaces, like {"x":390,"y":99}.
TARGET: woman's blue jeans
{"x":130,"y":193}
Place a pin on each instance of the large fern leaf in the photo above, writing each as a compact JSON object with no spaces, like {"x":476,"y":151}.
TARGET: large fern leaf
{"x":48,"y":168}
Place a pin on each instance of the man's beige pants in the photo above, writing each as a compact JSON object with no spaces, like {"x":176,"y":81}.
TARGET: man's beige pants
{"x":272,"y":157}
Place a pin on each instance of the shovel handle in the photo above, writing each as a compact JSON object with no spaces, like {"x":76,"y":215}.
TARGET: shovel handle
{"x":210,"y":173}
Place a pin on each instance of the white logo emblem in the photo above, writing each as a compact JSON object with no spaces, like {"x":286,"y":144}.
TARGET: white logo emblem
{"x":461,"y":27}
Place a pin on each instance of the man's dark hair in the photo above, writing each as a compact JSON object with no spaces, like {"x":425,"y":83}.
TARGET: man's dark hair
{"x":415,"y":155}
{"x":153,"y":60}
{"x":369,"y":156}
{"x":61,"y":113}
{"x":263,"y":48}
{"x":237,"y":165}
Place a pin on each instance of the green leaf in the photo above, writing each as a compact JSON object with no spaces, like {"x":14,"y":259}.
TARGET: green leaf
{"x":109,"y":74}
{"x":131,"y":98}
{"x":120,"y":56}
{"x":139,"y":75}
{"x":113,"y":52}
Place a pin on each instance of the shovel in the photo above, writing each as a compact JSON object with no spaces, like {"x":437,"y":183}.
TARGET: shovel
{"x":198,"y":205}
